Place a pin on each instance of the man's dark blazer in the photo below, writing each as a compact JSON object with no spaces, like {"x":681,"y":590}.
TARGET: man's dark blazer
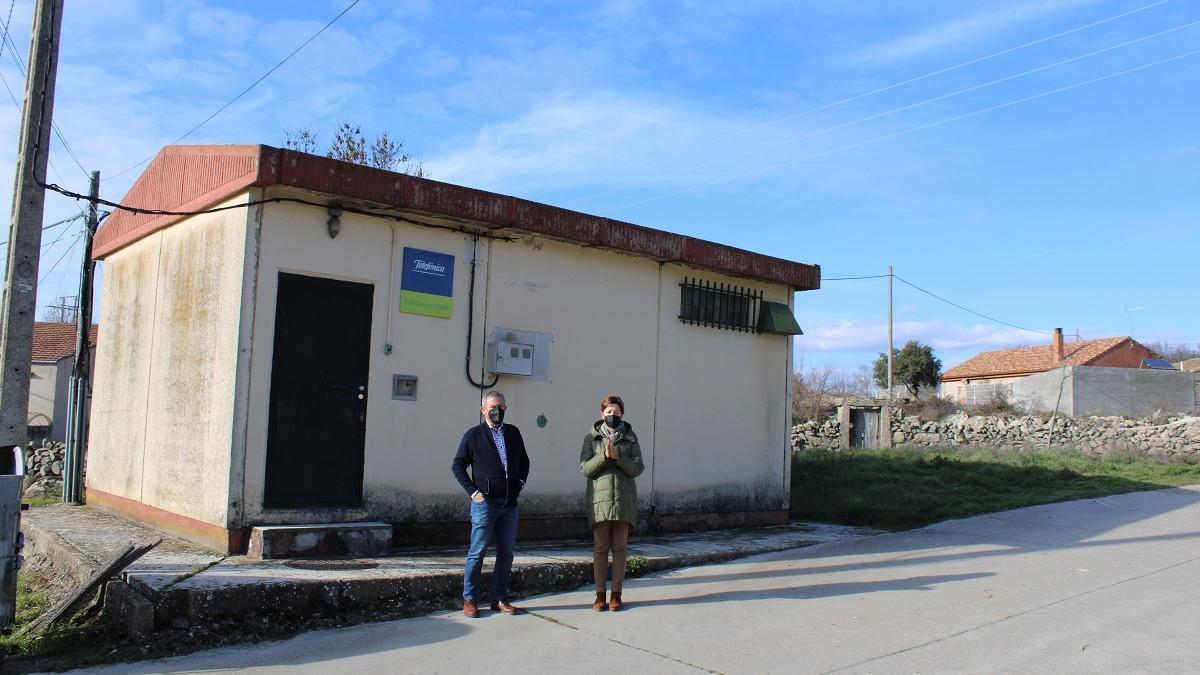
{"x":477,"y":450}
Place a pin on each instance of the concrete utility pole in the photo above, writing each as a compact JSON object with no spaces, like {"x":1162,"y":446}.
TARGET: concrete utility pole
{"x":889,"y":352}
{"x":25,"y":228}
{"x":80,"y":376}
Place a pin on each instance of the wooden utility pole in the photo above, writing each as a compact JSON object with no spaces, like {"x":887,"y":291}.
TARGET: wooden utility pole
{"x":25,"y":228}
{"x":80,"y":373}
{"x":889,"y":352}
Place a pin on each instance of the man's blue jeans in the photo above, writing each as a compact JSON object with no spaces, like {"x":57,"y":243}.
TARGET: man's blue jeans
{"x":487,"y":517}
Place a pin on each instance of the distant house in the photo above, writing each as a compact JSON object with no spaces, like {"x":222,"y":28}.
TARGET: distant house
{"x":1106,"y":376}
{"x":53,"y":346}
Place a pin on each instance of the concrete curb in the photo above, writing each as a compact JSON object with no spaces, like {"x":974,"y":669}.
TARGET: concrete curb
{"x":141,"y":609}
{"x":177,"y":588}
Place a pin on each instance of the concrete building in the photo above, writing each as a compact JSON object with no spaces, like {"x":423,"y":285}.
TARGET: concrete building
{"x":1107,"y":376}
{"x":312,"y":352}
{"x":49,"y":375}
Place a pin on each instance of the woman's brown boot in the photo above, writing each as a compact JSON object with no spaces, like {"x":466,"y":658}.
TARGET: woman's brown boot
{"x":599,"y":605}
{"x":615,"y":603}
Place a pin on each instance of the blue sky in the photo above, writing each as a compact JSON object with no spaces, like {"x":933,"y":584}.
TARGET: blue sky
{"x":1047,"y":184}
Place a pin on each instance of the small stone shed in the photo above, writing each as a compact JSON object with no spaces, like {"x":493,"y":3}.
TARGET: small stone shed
{"x":311,"y":352}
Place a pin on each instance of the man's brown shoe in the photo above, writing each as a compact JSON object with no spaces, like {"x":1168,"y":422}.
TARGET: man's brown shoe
{"x":505,"y":606}
{"x":600,"y":604}
{"x":615,"y":604}
{"x":470,"y":610}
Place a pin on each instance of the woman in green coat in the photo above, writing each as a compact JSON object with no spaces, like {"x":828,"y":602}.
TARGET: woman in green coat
{"x":611,"y":458}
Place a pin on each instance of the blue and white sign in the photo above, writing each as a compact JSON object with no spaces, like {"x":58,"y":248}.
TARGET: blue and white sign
{"x":427,"y":283}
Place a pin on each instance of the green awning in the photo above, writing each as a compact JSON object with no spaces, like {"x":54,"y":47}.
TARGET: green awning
{"x":775,"y":317}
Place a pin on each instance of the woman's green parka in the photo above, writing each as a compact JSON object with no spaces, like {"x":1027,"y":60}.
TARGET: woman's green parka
{"x":611,"y":491}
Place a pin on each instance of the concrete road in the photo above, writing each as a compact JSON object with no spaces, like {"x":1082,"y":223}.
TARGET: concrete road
{"x":1107,"y":585}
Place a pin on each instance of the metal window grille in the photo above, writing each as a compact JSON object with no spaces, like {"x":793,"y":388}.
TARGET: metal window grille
{"x":719,"y":305}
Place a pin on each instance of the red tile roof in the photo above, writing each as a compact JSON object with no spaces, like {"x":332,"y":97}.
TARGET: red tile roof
{"x":1026,"y":360}
{"x":193,"y":177}
{"x":52,"y":341}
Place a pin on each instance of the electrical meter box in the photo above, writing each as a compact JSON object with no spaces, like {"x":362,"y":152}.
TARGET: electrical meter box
{"x":512,"y":358}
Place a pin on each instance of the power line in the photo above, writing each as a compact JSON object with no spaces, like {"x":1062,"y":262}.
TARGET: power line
{"x":246,"y":90}
{"x":60,"y":258}
{"x":912,"y":106}
{"x":8,"y":45}
{"x":968,"y":309}
{"x":880,"y":90}
{"x":865,"y":276}
{"x":930,"y":125}
{"x":64,"y":221}
{"x":61,"y":236}
{"x":17,"y":103}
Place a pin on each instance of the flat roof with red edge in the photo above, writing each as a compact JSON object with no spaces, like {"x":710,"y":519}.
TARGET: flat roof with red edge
{"x":194,"y":177}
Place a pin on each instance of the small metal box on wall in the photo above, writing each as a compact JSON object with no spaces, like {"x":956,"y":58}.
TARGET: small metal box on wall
{"x":512,"y":358}
{"x":517,"y":352}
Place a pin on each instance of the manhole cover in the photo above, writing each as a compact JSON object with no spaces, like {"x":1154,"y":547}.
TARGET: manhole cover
{"x":331,"y":565}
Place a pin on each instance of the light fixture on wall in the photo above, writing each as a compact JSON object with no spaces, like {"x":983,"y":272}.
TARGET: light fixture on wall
{"x":335,"y":219}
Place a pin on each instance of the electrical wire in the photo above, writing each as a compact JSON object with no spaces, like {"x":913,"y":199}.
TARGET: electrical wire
{"x":865,"y":276}
{"x":52,"y":225}
{"x":968,"y":309}
{"x":880,"y":90}
{"x":930,"y":125}
{"x":910,"y":106}
{"x":273,"y":200}
{"x":8,"y":45}
{"x":1025,"y":99}
{"x":60,"y":258}
{"x":245,"y":91}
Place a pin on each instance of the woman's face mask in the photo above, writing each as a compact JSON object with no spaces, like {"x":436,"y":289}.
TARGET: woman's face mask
{"x":613,"y":421}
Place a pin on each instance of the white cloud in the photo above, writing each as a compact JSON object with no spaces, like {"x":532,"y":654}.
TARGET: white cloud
{"x":859,"y":335}
{"x":959,"y":30}
{"x":596,"y":138}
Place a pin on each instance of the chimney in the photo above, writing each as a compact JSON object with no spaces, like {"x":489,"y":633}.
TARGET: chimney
{"x":1058,"y":346}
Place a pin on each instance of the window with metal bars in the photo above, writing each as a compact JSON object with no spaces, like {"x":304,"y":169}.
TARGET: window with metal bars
{"x":718,"y":305}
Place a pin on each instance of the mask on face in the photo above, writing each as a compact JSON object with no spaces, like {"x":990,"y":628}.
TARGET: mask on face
{"x":613,"y":421}
{"x":496,"y":416}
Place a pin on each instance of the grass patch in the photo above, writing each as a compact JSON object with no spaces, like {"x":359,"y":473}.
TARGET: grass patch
{"x":42,"y":500}
{"x":901,"y":489}
{"x":84,"y":640}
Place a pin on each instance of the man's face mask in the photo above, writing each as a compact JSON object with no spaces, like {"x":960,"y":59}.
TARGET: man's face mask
{"x":496,"y":415}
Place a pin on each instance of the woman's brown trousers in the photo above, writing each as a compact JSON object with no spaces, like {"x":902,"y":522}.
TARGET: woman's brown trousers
{"x":610,"y":534}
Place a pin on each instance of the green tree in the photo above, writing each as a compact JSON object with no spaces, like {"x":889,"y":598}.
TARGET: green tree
{"x":351,"y":145}
{"x":914,"y":366}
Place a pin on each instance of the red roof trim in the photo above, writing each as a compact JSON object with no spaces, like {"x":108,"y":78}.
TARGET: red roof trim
{"x":194,"y":177}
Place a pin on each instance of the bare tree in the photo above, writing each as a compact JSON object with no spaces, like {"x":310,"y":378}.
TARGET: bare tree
{"x":349,"y":144}
{"x":813,"y":390}
{"x":1175,"y":351}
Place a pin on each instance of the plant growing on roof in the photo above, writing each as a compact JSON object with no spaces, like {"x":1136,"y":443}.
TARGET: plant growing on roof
{"x":914,"y":366}
{"x":350,"y":145}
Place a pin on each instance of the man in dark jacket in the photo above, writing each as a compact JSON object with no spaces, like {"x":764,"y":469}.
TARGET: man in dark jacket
{"x":495,"y":453}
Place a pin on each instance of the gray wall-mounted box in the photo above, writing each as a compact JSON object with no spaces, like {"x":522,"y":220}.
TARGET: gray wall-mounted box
{"x":519,"y":352}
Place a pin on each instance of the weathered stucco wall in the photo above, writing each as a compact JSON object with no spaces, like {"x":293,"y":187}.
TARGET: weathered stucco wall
{"x":722,"y":410}
{"x":717,"y":439}
{"x":162,"y":418}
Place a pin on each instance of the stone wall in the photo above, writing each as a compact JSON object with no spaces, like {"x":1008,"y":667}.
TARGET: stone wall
{"x":1170,"y":438}
{"x":44,"y":468}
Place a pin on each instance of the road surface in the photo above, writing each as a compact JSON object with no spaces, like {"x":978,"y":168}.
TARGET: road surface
{"x":1107,"y":585}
